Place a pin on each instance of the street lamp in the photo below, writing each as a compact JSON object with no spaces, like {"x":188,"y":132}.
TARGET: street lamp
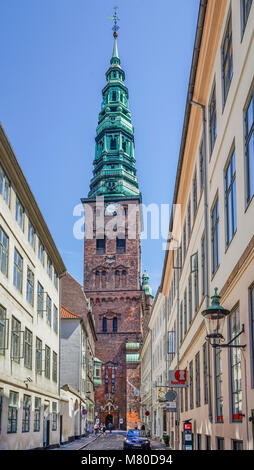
{"x":214,"y":317}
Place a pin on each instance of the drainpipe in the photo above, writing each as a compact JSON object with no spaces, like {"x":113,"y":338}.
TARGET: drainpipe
{"x":202,"y":106}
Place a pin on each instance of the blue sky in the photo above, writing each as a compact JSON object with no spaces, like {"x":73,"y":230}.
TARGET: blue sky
{"x":54,"y":55}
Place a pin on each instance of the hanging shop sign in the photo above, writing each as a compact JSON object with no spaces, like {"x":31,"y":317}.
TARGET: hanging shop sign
{"x":177,"y":378}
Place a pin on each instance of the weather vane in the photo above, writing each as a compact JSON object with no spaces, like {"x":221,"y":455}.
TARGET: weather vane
{"x":115,"y":19}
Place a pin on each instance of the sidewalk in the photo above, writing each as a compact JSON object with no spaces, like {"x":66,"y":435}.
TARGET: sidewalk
{"x":79,"y":443}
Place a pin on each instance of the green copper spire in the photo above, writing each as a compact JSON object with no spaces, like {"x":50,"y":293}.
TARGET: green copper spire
{"x":114,"y":173}
{"x":145,"y":284}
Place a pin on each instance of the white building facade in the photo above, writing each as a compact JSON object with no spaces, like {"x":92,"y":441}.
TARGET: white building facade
{"x":30,"y":266}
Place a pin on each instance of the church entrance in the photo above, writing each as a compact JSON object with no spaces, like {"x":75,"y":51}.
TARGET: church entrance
{"x":109,"y":419}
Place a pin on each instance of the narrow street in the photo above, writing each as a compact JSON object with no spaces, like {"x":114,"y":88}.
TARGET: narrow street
{"x":114,"y":441}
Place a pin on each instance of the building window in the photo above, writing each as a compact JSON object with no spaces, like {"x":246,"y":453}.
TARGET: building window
{"x":37,"y":414}
{"x":195,"y":194}
{"x":120,"y":245}
{"x":49,"y":267}
{"x":227,"y":59}
{"x":28,"y":340}
{"x":17,"y":270}
{"x":40,"y":292}
{"x":220,"y":443}
{"x":196,"y":286}
{"x":55,"y":279}
{"x":31,"y":235}
{"x":249,"y":146}
{"x":54,"y":367}
{"x":191,"y":385}
{"x":20,"y":213}
{"x":103,"y":279}
{"x":1,"y":407}
{"x":199,"y":442}
{"x":104,"y":324}
{"x":245,"y":9}
{"x":114,"y":94}
{"x":212,"y":119}
{"x":201,"y":165}
{"x":203,"y":273}
{"x":55,"y":319}
{"x":4,"y":248}
{"x":184,"y":239}
{"x":185,"y":312}
{"x":30,"y":287}
{"x":205,"y":372}
{"x":26,"y":413}
{"x":190,"y":298}
{"x":41,"y":252}
{"x":237,"y":445}
{"x":100,"y":246}
{"x":4,"y":186}
{"x":186,"y":398}
{"x":15,"y":339}
{"x":13,"y":412}
{"x":251,"y":293}
{"x":47,"y":362}
{"x":208,"y":442}
{"x":124,"y":278}
{"x":117,"y":278}
{"x":54,"y":416}
{"x":197,"y":376}
{"x":2,"y":330}
{"x":189,"y":220}
{"x":115,"y":325}
{"x":113,"y":143}
{"x":215,"y":236}
{"x":181,"y":322}
{"x":48,"y":310}
{"x":230,"y":199}
{"x":235,"y":363}
{"x":218,"y":386}
{"x":38,"y":356}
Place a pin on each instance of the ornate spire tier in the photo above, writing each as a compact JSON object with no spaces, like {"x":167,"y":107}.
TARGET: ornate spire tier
{"x":114,"y":173}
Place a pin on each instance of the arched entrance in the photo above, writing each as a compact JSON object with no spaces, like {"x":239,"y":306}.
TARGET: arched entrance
{"x":109,"y":419}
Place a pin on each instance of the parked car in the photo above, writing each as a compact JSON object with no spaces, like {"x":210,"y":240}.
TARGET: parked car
{"x":136,"y":439}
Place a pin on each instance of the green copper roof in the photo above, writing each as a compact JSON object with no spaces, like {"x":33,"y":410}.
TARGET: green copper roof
{"x":145,"y":284}
{"x":114,"y":172}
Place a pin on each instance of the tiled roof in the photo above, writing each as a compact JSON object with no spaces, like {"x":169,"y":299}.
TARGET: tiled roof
{"x":65,"y":313}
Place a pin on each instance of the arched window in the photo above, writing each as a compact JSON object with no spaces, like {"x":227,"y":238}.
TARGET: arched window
{"x":117,"y":279}
{"x":113,"y":143}
{"x":115,"y":324}
{"x":97,"y":279}
{"x":103,"y":279}
{"x":124,"y":278}
{"x":104,"y":324}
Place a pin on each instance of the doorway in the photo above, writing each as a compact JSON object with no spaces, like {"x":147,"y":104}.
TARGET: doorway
{"x":109,"y":419}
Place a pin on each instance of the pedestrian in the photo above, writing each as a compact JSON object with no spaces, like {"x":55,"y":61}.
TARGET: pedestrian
{"x":104,"y":430}
{"x":96,"y":428}
{"x":110,"y":427}
{"x":143,"y":427}
{"x":101,"y":429}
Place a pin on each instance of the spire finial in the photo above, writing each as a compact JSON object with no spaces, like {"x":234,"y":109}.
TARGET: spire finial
{"x":115,"y":19}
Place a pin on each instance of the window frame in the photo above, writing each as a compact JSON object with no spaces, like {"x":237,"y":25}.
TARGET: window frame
{"x":226,"y":58}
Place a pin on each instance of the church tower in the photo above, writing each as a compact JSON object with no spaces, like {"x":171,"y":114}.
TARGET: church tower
{"x":112,"y":257}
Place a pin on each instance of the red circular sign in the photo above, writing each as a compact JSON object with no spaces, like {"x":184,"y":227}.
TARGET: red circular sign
{"x":147,"y":413}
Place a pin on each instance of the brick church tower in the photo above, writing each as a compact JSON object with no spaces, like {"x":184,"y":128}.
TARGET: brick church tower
{"x":112,"y":265}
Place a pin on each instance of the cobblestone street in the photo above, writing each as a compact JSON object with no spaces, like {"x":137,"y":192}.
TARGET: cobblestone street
{"x":114,"y":441}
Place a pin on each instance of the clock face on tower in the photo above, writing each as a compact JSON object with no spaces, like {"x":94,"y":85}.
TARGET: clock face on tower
{"x":111,"y":209}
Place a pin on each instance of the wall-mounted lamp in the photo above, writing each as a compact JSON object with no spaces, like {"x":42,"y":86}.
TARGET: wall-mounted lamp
{"x":214,"y":317}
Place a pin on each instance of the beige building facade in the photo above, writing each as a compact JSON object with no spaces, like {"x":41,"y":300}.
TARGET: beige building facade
{"x":215,"y":244}
{"x":30,"y":268}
